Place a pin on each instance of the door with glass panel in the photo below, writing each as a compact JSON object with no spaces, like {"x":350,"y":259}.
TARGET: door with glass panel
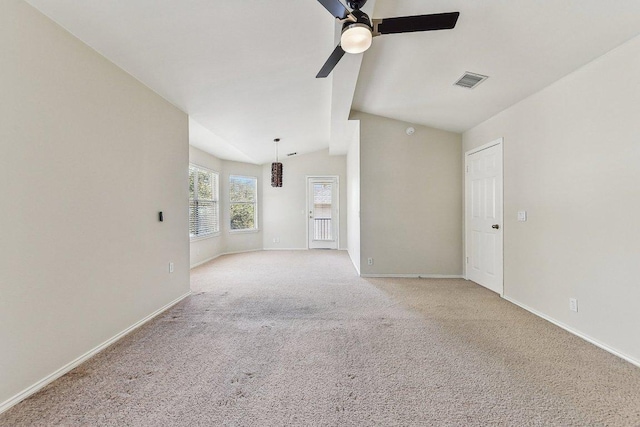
{"x":322,"y":196}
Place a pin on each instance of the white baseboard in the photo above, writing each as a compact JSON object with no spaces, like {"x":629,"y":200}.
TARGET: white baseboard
{"x":575,"y":332}
{"x":354,"y":263}
{"x":205,"y":261}
{"x":414,"y":276}
{"x":251,"y":250}
{"x":4,"y":406}
{"x":242,"y":252}
{"x":224,"y":253}
{"x":285,"y":249}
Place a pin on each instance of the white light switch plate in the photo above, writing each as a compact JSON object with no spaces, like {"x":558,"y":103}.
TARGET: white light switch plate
{"x":573,"y":304}
{"x":522,"y":216}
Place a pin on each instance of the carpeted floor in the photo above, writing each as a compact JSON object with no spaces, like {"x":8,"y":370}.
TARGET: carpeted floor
{"x":296,"y":338}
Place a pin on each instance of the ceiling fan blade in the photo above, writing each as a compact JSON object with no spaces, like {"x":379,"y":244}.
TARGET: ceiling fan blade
{"x":410,"y":24}
{"x":335,"y":8}
{"x":328,"y":66}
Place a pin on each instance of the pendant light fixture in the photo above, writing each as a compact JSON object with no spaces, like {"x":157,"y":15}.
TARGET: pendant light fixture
{"x":276,"y":169}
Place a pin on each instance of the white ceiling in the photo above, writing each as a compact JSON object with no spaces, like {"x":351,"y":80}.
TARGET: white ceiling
{"x":245,"y":71}
{"x":522,"y":45}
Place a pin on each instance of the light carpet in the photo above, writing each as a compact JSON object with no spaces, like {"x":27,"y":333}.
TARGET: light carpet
{"x":297,"y":338}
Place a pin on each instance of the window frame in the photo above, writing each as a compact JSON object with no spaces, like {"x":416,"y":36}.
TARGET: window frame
{"x":215,"y":191}
{"x":256,"y":227}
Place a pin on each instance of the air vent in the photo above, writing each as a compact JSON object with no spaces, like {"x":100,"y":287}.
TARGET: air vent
{"x":470,"y":80}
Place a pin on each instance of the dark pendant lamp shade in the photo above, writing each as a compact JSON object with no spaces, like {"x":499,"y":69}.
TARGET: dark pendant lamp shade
{"x":276,"y":169}
{"x":276,"y":174}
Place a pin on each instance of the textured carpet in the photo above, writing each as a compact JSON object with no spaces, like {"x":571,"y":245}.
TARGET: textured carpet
{"x":296,"y":338}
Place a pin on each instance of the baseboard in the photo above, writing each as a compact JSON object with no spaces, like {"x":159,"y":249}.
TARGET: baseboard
{"x":575,"y":332}
{"x":414,"y":276}
{"x":224,"y":253}
{"x":285,"y":249}
{"x":354,"y":263}
{"x":4,"y":406}
{"x":252,"y":250}
{"x":205,"y":261}
{"x":242,"y":252}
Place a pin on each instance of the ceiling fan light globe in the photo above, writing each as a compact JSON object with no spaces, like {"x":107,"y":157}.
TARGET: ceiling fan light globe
{"x":356,"y":38}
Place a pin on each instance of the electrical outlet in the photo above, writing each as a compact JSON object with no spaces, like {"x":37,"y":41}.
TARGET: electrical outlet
{"x":276,"y":240}
{"x":370,"y":261}
{"x":573,"y":304}
{"x":170,"y":267}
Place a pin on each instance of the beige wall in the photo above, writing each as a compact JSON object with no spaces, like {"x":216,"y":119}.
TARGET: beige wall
{"x":224,"y":242}
{"x":410,"y":198}
{"x":88,"y":158}
{"x":572,"y":161}
{"x":353,"y":199}
{"x":285,"y":208}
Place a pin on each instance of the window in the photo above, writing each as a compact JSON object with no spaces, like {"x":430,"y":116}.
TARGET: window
{"x":243,"y":196}
{"x":203,"y":202}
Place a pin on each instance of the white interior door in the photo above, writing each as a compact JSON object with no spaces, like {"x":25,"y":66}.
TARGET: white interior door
{"x":322,"y":196}
{"x":483,"y":216}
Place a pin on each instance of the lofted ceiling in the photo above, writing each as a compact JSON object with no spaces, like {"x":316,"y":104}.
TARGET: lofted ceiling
{"x":522,"y":45}
{"x":245,"y":71}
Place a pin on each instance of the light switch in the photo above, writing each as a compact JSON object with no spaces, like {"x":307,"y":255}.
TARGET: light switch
{"x":522,"y":216}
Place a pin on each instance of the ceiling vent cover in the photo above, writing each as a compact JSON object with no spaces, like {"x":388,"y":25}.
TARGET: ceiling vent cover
{"x":470,"y":80}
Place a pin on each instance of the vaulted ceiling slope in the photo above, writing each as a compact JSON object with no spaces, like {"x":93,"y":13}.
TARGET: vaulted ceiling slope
{"x":522,"y":45}
{"x":245,"y":71}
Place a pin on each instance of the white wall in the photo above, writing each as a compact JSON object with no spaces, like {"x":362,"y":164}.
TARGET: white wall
{"x":410,"y":198}
{"x":285,"y":208}
{"x":572,"y":161}
{"x":88,"y":158}
{"x":353,"y":199}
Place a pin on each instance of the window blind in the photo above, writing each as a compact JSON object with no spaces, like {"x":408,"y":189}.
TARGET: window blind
{"x":204,"y":215}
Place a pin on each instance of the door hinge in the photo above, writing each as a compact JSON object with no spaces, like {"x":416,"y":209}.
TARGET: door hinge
{"x":467,"y":260}
{"x":467,"y":168}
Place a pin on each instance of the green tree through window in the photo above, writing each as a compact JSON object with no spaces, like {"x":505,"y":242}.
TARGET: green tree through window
{"x":243,"y":202}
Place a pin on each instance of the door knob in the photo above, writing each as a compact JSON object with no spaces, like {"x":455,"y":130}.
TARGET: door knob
{"x":496,"y":226}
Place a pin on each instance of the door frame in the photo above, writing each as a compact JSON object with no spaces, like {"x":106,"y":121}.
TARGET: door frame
{"x":497,"y":142}
{"x":337,"y":198}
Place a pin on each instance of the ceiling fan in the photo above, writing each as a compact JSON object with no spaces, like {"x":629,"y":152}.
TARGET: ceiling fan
{"x":358,"y":29}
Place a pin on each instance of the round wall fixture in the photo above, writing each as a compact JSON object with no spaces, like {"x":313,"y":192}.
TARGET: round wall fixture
{"x":410,"y":130}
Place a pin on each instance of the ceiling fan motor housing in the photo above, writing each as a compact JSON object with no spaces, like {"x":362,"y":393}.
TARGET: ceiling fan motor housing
{"x":361,"y":18}
{"x":356,"y":4}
